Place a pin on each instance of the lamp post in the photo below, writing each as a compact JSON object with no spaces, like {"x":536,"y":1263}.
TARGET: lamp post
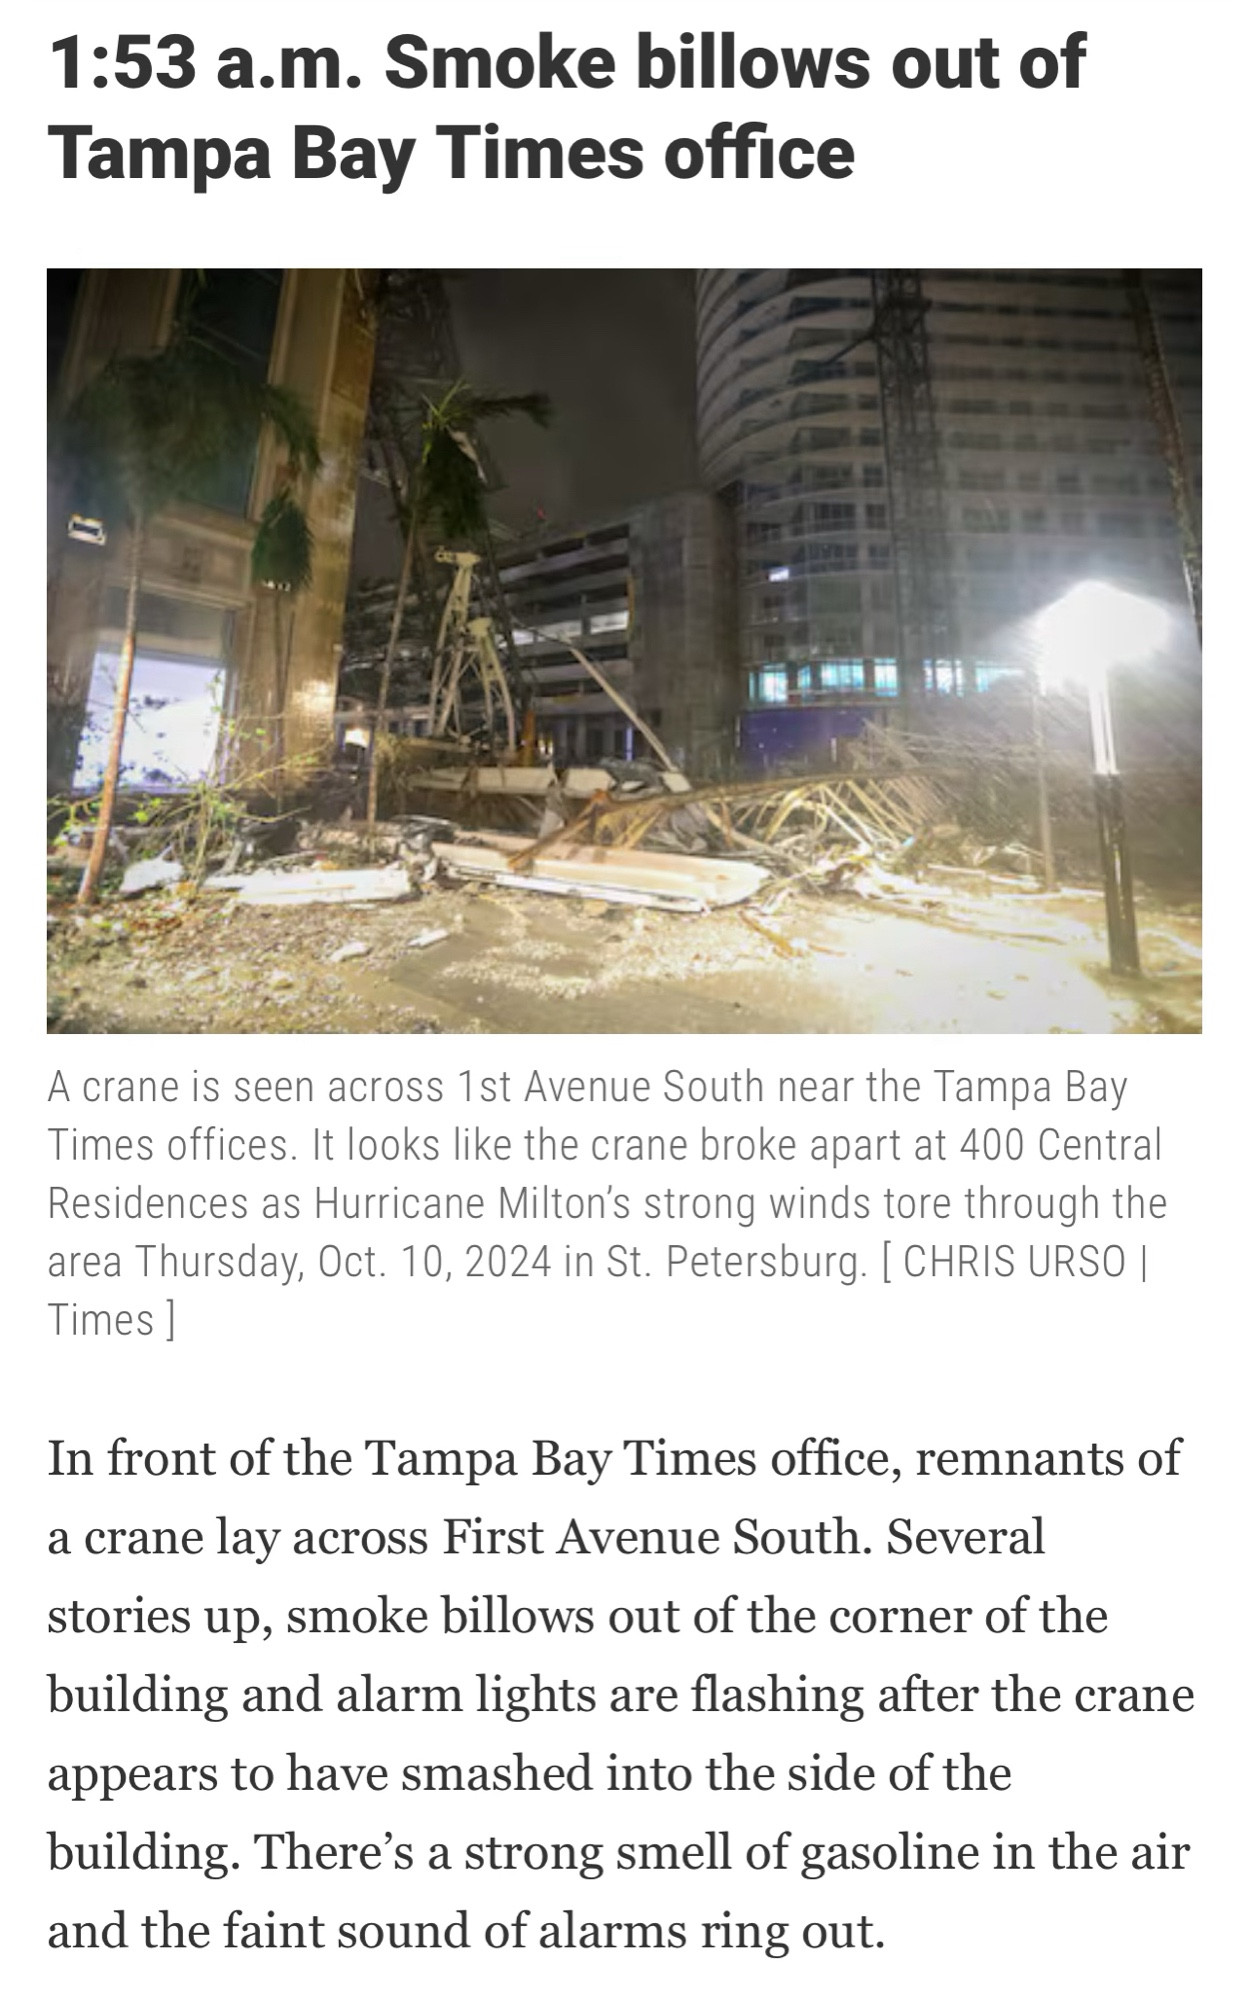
{"x":1045,"y":830}
{"x":1094,"y":628}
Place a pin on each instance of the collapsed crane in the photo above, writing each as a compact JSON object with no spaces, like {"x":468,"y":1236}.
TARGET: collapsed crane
{"x":924,"y":610}
{"x":1171,"y":438}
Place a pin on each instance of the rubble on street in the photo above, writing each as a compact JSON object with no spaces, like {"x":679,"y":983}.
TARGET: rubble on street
{"x":848,"y":901}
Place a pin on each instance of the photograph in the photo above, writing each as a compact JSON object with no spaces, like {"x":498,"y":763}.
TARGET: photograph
{"x":567,"y":651}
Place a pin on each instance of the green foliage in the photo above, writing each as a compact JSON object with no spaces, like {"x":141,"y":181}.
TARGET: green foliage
{"x":195,"y":824}
{"x":282,"y":552}
{"x":451,"y":487}
{"x":147,"y":425}
{"x":198,"y":825}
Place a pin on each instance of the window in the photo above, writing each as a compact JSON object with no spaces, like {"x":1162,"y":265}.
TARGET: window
{"x":821,"y":437}
{"x":873,"y":475}
{"x":608,"y":621}
{"x":175,"y":713}
{"x":843,"y":556}
{"x":885,"y":677}
{"x":840,"y":675}
{"x":826,"y":478}
{"x":876,"y":514}
{"x":234,"y":312}
{"x":770,"y":684}
{"x":985,"y":673}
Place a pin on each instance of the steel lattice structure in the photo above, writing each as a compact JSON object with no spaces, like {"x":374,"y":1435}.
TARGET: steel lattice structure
{"x":922,"y":566}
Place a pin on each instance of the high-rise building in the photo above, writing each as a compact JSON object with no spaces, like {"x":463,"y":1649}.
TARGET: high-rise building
{"x":648,"y":598}
{"x":205,"y":646}
{"x":1046,"y":454}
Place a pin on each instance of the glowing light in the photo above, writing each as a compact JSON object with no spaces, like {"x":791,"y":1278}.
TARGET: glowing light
{"x":1093,"y":628}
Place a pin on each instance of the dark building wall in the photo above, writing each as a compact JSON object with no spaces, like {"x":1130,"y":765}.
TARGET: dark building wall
{"x":198,"y":600}
{"x":650,"y":599}
{"x":684,"y":642}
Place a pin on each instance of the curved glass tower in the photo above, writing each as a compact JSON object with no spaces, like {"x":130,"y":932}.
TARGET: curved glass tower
{"x":790,"y":426}
{"x":1013,"y":406}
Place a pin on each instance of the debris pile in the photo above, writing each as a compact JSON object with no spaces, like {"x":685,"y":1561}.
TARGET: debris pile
{"x":633,"y":833}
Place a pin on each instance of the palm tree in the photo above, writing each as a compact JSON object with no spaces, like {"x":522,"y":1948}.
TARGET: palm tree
{"x":434,"y":469}
{"x":138,"y":435}
{"x":282,"y":564}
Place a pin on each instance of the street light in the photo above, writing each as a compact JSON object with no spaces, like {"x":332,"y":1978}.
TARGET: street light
{"x":1092,"y":629}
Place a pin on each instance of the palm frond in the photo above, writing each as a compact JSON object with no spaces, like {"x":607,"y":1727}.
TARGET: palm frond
{"x":452,"y":484}
{"x":282,"y":552}
{"x":148,"y":426}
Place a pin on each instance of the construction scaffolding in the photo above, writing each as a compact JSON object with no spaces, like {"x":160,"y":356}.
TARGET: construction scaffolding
{"x":923,"y":604}
{"x":1171,"y":437}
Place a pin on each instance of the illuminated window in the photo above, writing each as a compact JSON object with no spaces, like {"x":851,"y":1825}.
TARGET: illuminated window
{"x":175,"y":713}
{"x":943,"y":677}
{"x":609,"y":621}
{"x":771,"y":684}
{"x":781,"y":575}
{"x":986,"y":672}
{"x":885,"y":677}
{"x":839,"y":675}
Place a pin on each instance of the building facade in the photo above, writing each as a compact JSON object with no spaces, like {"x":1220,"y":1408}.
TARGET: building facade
{"x":1048,"y":451}
{"x":650,"y":599}
{"x":205,"y":644}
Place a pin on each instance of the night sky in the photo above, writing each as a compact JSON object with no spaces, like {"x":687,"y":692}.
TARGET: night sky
{"x":615,"y":352}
